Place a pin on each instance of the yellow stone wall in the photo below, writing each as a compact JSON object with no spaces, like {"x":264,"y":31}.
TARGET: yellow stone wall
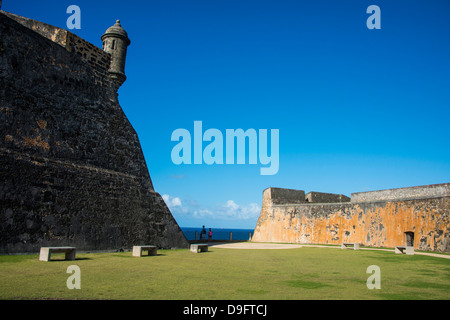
{"x":378,"y":223}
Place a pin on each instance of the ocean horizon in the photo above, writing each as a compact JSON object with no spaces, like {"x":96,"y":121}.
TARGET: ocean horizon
{"x":218,"y":233}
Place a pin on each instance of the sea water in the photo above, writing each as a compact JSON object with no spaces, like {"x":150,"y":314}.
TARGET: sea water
{"x":217,"y":233}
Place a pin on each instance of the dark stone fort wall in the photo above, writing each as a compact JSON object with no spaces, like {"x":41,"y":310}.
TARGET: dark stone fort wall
{"x":96,"y":58}
{"x":70,"y":205}
{"x":72,"y":170}
{"x":53,"y":106}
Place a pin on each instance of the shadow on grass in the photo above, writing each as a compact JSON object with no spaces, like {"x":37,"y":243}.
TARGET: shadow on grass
{"x":62,"y":259}
{"x":203,"y":252}
{"x":147,"y":256}
{"x":130,"y":256}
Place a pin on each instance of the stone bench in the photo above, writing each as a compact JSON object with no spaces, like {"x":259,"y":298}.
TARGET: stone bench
{"x":198,"y":246}
{"x":137,"y":250}
{"x":46,"y":252}
{"x":404,"y":249}
{"x":350,"y":244}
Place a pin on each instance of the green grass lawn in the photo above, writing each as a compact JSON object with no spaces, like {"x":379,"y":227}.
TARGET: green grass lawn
{"x":304,"y":273}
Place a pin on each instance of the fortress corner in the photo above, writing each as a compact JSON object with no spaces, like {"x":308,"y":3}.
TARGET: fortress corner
{"x":72,"y":171}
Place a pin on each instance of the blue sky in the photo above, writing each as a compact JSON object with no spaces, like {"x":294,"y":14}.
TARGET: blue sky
{"x":356,"y":109}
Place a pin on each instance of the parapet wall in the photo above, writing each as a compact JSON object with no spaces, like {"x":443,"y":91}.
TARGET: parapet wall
{"x":321,"y":197}
{"x":290,"y":196}
{"x":96,"y":58}
{"x":54,"y":34}
{"x":419,"y":192}
{"x":380,"y":223}
{"x":284,"y":196}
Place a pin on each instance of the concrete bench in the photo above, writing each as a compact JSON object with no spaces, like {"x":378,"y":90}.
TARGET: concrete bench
{"x":46,"y":252}
{"x":350,"y":244}
{"x":404,"y":249}
{"x":198,"y":246}
{"x":137,"y":250}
